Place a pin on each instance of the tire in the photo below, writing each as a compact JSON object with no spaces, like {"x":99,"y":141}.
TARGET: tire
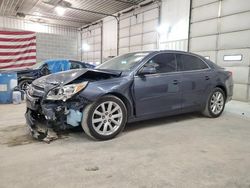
{"x":105,"y":118}
{"x":215,"y":103}
{"x":24,"y":83}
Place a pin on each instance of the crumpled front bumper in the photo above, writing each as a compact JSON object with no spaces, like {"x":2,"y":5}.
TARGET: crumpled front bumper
{"x":38,"y":130}
{"x":46,"y":119}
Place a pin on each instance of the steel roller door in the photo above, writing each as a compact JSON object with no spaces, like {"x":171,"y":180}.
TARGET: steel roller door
{"x":220,"y":30}
{"x":92,"y":44}
{"x":137,"y":30}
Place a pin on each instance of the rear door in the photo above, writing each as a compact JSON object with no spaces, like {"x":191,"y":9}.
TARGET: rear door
{"x":159,"y":92}
{"x":196,"y":81}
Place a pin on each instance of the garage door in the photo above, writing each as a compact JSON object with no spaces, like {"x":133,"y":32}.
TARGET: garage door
{"x":137,"y":30}
{"x":220,"y":31}
{"x":92,"y":44}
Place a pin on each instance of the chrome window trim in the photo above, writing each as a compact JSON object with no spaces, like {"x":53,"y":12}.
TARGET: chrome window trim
{"x":176,"y":72}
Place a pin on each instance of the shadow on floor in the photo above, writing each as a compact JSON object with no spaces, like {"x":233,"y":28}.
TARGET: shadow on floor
{"x":149,"y":123}
{"x":160,"y":121}
{"x":18,"y":135}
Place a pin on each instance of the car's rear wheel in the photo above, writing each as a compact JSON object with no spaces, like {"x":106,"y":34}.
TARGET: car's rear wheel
{"x":104,"y":119}
{"x":215,"y":103}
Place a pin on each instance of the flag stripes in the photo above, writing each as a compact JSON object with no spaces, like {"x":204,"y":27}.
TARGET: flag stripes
{"x":17,"y":49}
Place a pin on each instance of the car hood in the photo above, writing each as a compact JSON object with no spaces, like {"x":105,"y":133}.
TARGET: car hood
{"x":63,"y":78}
{"x":23,"y":70}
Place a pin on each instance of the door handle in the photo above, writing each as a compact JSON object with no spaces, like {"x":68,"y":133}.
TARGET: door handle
{"x":175,"y":82}
{"x":207,"y":77}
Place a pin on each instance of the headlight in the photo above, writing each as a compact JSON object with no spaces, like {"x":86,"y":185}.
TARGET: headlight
{"x":65,"y":92}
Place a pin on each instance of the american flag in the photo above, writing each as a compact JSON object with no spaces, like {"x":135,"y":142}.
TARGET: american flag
{"x":17,"y":49}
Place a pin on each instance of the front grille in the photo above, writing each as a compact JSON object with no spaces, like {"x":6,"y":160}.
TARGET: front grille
{"x":36,"y":91}
{"x":37,"y":88}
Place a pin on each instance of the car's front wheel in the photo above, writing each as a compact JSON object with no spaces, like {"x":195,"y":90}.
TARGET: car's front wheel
{"x":104,"y":119}
{"x":24,"y":84}
{"x":215,"y":103}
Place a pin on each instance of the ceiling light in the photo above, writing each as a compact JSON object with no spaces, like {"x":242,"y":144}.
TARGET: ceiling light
{"x":85,"y":47}
{"x":37,"y":13}
{"x":60,"y":10}
{"x":163,"y":29}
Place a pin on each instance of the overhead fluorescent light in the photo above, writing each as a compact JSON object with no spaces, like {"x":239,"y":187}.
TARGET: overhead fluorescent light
{"x":232,"y":57}
{"x":60,"y":10}
{"x":85,"y":47}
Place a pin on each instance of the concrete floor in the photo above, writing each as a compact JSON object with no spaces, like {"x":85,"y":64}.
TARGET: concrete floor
{"x":182,"y":151}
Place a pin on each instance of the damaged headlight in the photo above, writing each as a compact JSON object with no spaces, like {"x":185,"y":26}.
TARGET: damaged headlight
{"x":65,"y":92}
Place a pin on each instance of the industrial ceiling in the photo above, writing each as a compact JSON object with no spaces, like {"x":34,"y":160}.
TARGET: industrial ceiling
{"x":77,"y":12}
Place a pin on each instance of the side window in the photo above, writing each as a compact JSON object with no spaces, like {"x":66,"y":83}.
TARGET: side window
{"x":45,"y":70}
{"x":188,"y":62}
{"x":163,"y":63}
{"x":74,"y":65}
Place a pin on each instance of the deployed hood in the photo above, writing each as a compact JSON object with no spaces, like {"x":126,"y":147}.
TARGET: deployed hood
{"x":66,"y":77}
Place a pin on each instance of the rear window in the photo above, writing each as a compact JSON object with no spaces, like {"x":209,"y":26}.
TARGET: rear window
{"x":189,"y":62}
{"x":215,"y":65}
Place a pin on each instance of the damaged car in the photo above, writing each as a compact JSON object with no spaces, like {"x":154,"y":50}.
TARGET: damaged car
{"x":26,"y":76}
{"x":131,"y":87}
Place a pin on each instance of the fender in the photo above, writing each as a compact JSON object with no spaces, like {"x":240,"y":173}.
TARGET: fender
{"x":117,"y":86}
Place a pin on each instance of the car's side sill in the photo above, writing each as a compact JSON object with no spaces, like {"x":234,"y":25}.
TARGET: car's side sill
{"x":154,"y":116}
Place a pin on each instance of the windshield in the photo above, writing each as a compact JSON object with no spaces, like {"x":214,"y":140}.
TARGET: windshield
{"x":37,"y":65}
{"x":123,"y":62}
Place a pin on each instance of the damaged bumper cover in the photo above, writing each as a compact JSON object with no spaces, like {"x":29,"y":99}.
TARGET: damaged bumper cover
{"x":47,"y":118}
{"x":55,"y":102}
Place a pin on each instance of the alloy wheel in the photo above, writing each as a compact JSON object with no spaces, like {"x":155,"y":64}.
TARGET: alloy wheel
{"x":107,"y":118}
{"x":217,"y":102}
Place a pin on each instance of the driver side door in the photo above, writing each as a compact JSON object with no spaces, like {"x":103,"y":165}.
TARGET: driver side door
{"x":158,"y":92}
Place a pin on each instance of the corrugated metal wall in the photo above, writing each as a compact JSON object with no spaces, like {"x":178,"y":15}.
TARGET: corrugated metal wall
{"x":220,"y":30}
{"x":109,"y":37}
{"x":21,"y":24}
{"x":137,"y":30}
{"x":52,"y":41}
{"x":51,"y":46}
{"x":92,"y":44}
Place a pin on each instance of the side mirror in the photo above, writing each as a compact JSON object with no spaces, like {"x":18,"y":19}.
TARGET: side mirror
{"x":147,"y":70}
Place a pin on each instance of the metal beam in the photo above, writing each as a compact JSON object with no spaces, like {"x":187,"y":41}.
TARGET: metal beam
{"x":189,"y":25}
{"x":126,"y":2}
{"x":53,"y":18}
{"x":91,"y":11}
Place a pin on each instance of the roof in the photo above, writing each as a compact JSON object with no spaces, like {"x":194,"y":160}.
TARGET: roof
{"x":44,"y":10}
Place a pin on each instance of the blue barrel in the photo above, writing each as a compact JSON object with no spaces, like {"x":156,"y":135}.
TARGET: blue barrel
{"x":8,"y":81}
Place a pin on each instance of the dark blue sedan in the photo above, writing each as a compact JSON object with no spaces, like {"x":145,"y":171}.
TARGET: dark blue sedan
{"x":26,"y":76}
{"x":131,"y":87}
